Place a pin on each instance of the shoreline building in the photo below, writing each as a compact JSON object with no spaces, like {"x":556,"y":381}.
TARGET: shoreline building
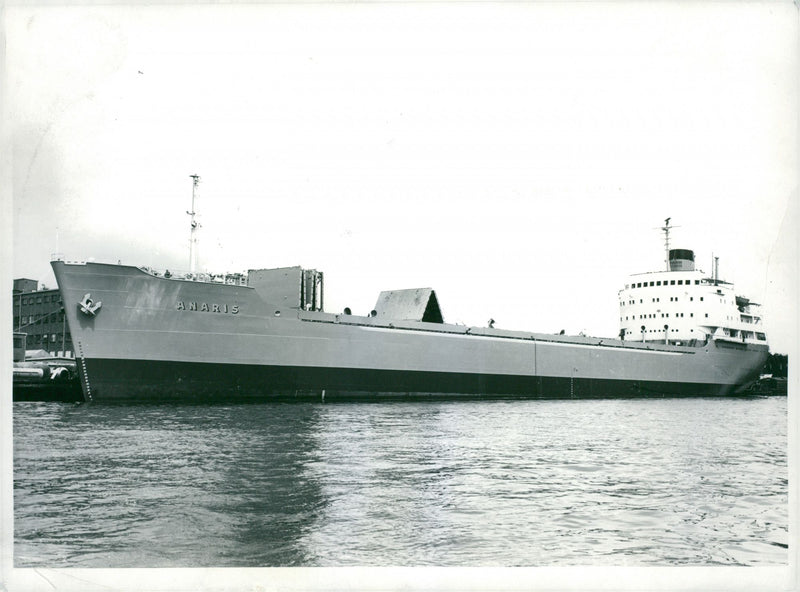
{"x":39,"y":314}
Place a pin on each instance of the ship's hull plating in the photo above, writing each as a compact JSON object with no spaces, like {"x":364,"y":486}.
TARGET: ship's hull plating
{"x":148,"y":380}
{"x":157,"y":339}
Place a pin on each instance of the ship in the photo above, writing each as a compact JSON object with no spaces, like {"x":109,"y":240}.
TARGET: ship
{"x":143,"y":335}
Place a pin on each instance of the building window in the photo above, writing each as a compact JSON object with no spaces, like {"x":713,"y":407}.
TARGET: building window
{"x":651,"y":283}
{"x":658,"y":283}
{"x":706,"y":315}
{"x":697,"y":282}
{"x":701,"y":298}
{"x":639,"y":285}
{"x":680,"y":282}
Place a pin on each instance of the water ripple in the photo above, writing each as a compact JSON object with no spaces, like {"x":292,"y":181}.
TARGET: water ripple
{"x":506,"y":483}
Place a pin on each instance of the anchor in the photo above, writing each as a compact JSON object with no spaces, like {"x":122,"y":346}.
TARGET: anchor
{"x":88,"y":306}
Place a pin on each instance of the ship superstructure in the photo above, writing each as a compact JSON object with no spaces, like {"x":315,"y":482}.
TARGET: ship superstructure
{"x":685,"y":305}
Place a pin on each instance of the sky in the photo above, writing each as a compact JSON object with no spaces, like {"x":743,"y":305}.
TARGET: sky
{"x":519,"y":158}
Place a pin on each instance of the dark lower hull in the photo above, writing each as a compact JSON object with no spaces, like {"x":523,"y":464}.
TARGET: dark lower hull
{"x":144,"y":380}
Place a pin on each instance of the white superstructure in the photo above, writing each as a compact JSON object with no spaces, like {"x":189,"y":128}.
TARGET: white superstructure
{"x":684,"y":305}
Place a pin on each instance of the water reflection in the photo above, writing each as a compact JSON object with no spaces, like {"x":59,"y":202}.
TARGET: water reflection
{"x":164,"y":485}
{"x":616,"y":482}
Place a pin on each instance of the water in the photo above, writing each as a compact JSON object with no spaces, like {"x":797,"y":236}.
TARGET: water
{"x":504,"y":483}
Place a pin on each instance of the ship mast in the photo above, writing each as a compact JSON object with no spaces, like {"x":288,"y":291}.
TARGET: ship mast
{"x":665,"y":229}
{"x":194,"y":225}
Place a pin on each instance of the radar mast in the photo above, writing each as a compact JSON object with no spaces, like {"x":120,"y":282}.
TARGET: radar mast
{"x":665,"y":229}
{"x":193,"y":226}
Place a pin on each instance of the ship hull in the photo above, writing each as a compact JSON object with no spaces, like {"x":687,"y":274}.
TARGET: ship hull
{"x":147,"y":380}
{"x":158,"y":339}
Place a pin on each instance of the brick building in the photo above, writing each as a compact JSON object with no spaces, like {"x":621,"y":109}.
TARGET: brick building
{"x":40,"y":315}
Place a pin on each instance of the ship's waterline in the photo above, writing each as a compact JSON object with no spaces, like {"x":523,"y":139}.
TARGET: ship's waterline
{"x":149,"y":380}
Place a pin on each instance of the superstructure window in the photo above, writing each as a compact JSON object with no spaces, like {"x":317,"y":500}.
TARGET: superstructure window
{"x":639,"y":285}
{"x":651,"y":283}
{"x":680,"y":282}
{"x":672,"y":282}
{"x":658,"y":283}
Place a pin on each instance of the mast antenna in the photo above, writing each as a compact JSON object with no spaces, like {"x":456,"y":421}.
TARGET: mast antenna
{"x":665,"y":229}
{"x":193,"y":226}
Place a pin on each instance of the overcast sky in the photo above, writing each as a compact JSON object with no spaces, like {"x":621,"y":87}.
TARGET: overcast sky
{"x":518,"y":158}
